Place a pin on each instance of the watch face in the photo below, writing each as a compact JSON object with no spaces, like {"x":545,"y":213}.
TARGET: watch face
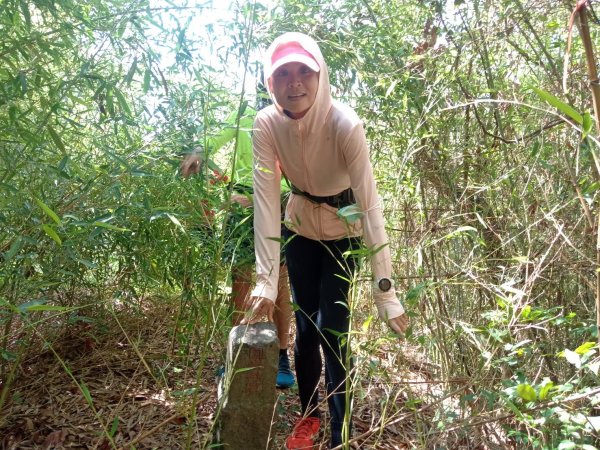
{"x":385,"y":284}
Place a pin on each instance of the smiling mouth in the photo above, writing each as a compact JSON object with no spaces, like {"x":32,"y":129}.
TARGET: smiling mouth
{"x":296,"y":97}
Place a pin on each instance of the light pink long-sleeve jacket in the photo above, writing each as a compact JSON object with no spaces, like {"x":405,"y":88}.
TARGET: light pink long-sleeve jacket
{"x":323,"y":153}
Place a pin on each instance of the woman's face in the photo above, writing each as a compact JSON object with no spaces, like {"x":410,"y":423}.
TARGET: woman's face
{"x":295,"y":86}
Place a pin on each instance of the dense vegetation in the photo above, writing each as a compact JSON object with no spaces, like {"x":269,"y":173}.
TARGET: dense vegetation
{"x":485,"y":146}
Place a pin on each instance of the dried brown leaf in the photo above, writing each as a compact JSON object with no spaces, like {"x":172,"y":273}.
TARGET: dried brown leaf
{"x":55,"y":439}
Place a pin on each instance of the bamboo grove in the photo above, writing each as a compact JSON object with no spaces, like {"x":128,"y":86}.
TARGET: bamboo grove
{"x":483,"y":133}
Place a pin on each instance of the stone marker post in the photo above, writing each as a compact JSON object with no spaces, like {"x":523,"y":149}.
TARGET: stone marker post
{"x":247,"y":392}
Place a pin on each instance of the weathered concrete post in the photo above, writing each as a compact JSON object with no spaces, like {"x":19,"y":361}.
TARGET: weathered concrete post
{"x":247,"y":393}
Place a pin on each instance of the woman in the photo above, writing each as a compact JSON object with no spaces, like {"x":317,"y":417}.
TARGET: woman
{"x":320,"y":147}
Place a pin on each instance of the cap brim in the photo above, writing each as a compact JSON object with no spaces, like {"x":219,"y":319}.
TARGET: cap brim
{"x":304,"y":59}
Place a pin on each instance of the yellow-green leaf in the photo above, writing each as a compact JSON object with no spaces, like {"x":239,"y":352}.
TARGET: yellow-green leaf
{"x":587,"y":124}
{"x":560,"y":105}
{"x":585,"y":347}
{"x":48,"y":211}
{"x":366,"y":323}
{"x":86,"y":393}
{"x":391,"y":88}
{"x":526,"y":392}
{"x":52,"y":233}
{"x":545,"y":389}
{"x":46,"y":308}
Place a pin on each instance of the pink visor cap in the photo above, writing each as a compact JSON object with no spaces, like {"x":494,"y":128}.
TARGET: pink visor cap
{"x":291,"y":52}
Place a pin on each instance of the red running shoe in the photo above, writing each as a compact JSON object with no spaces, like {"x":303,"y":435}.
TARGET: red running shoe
{"x":305,"y":431}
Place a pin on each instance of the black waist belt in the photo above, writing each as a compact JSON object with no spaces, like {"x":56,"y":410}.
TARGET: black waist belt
{"x":344,"y":198}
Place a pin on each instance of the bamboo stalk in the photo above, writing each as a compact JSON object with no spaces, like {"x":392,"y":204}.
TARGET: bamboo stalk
{"x":584,"y":31}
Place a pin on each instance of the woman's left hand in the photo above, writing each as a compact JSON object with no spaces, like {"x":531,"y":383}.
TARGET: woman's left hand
{"x":399,"y":324}
{"x":257,"y":308}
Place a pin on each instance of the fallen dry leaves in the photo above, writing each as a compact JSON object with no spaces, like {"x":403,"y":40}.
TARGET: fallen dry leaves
{"x":143,"y":410}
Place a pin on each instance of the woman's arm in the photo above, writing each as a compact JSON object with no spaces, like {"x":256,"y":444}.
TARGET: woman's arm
{"x":267,"y":212}
{"x":365,"y":191}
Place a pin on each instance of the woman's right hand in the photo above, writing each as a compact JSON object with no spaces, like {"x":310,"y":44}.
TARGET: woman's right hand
{"x":257,"y":308}
{"x":399,"y":324}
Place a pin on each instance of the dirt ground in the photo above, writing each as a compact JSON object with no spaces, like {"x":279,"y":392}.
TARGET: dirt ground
{"x":123,"y":378}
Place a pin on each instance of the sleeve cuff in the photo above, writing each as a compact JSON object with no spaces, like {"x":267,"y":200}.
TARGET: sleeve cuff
{"x":265,"y":292}
{"x":388,"y":305}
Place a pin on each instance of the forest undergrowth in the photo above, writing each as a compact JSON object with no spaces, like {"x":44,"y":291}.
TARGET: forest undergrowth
{"x":121,"y":380}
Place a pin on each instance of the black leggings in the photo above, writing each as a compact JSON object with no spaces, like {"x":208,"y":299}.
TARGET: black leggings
{"x":320,"y":280}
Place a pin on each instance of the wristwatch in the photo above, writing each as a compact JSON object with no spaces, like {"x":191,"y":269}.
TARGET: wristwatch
{"x":385,"y":284}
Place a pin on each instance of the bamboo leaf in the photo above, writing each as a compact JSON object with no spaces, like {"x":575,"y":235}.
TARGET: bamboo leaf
{"x":545,"y":389}
{"x":86,"y":262}
{"x":48,"y":211}
{"x":337,"y":334}
{"x":350,"y":213}
{"x":14,"y":249}
{"x":244,"y":369}
{"x":77,"y":99}
{"x":109,"y":226}
{"x":465,"y":229}
{"x":594,"y":421}
{"x":173,"y":219}
{"x":26,"y":13}
{"x":12,"y":114}
{"x":114,"y":427}
{"x":63,"y":163}
{"x":52,"y":233}
{"x":242,"y":108}
{"x":366,"y":324}
{"x":526,"y":392}
{"x":572,"y":357}
{"x":560,"y":105}
{"x":122,"y":102}
{"x":34,"y":308}
{"x":110,"y":104}
{"x":391,"y":88}
{"x":587,"y":124}
{"x":121,"y":28}
{"x":589,"y":446}
{"x":131,"y":72}
{"x":147,"y":77}
{"x":585,"y":347}
{"x":56,"y":139}
{"x":86,"y":393}
{"x":28,"y":305}
{"x":23,"y":82}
